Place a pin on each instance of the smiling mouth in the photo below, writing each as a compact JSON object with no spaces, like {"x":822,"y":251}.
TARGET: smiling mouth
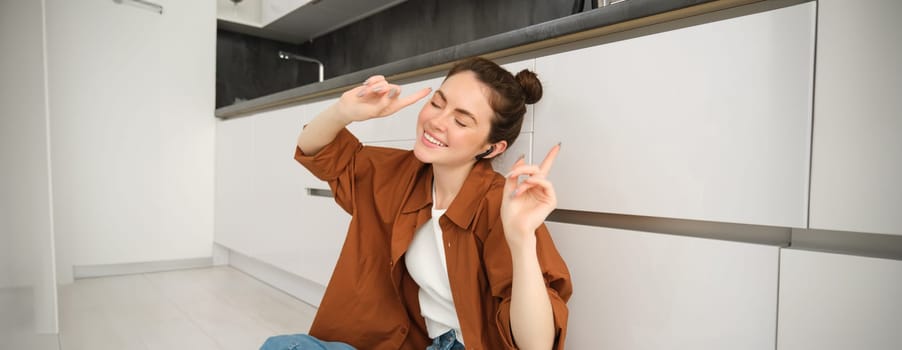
{"x":433,"y":140}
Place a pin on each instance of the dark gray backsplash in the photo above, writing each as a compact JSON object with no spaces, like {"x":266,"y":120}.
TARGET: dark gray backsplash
{"x":248,"y":67}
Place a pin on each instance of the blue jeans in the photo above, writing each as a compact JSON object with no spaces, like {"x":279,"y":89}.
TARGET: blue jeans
{"x":302,"y":342}
{"x":446,"y":341}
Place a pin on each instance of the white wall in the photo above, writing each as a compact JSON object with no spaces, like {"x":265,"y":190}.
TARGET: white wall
{"x":132,"y":131}
{"x":27,"y":281}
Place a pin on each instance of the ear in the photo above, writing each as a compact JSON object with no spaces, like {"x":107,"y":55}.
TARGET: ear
{"x":498,"y":148}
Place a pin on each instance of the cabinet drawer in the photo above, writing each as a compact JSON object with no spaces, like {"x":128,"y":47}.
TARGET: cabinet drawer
{"x":637,"y":290}
{"x":835,"y":301}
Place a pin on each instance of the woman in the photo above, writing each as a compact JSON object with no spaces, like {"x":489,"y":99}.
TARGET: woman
{"x":442,"y":252}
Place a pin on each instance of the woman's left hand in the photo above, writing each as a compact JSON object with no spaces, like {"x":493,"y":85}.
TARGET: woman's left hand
{"x":526,"y":204}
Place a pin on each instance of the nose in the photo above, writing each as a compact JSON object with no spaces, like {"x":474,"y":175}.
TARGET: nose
{"x":441,"y":121}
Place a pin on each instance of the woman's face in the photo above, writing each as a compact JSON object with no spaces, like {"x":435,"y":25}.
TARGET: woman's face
{"x":453,"y":127}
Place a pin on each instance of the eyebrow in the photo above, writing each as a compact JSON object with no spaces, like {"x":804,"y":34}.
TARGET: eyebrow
{"x":459,"y":110}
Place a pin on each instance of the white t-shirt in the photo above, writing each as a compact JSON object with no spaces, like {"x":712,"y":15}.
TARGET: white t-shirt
{"x":425,"y":259}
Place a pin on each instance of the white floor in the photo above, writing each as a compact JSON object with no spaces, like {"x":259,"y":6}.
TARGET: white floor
{"x":211,"y":308}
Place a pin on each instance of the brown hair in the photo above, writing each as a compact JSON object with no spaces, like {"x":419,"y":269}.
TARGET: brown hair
{"x":510,"y":95}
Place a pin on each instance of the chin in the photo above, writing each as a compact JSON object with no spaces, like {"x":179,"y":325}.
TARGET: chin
{"x":421,"y":156}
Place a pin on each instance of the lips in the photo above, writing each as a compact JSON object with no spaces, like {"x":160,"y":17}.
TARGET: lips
{"x":433,"y":140}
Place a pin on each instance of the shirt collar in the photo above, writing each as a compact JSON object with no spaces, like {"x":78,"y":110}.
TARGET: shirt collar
{"x":463,"y":208}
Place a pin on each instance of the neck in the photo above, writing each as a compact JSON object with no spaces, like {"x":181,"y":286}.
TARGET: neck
{"x":448,"y":180}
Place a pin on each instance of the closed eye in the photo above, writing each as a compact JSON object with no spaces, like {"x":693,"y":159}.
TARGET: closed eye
{"x":459,"y":123}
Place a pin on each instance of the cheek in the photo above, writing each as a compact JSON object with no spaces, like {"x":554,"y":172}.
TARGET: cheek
{"x":423,"y":116}
{"x":468,"y":140}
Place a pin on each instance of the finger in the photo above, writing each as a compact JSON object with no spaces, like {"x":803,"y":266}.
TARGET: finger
{"x":356,"y":91}
{"x":413,"y":98}
{"x":510,"y":183}
{"x":380,"y":87}
{"x":392,"y":91}
{"x":549,"y":159}
{"x":542,"y":183}
{"x":519,"y":162}
{"x":407,"y":100}
{"x":522,"y":188}
{"x":374,"y":89}
{"x":524,"y":169}
{"x":538,"y":187}
{"x":373,"y":79}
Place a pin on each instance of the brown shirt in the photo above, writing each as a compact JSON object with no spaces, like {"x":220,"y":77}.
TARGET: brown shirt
{"x":371,"y":301}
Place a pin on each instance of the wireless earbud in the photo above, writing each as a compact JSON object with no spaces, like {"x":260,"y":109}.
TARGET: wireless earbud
{"x":487,"y":152}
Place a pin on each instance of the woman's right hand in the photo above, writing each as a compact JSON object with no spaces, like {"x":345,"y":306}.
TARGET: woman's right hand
{"x":374,"y":99}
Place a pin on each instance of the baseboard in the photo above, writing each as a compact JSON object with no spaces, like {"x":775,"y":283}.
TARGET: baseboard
{"x":306,"y":290}
{"x":92,"y":271}
{"x":220,"y":255}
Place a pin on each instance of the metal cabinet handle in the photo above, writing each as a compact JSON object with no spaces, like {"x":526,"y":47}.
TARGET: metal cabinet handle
{"x":319,"y":192}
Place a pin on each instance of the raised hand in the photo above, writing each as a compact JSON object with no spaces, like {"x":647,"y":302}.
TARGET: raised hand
{"x":375,"y":98}
{"x":526,"y":204}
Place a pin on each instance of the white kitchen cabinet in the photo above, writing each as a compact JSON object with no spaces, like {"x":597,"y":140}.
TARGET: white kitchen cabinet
{"x":278,"y":181}
{"x":263,"y":209}
{"x":857,"y":155}
{"x":708,"y":122}
{"x":834,"y":301}
{"x":234,"y":188}
{"x":297,"y":232}
{"x":638,"y":290}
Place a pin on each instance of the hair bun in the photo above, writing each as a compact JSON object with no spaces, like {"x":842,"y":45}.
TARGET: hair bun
{"x":532,"y":88}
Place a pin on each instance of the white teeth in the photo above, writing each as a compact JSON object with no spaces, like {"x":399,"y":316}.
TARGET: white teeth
{"x":433,"y":140}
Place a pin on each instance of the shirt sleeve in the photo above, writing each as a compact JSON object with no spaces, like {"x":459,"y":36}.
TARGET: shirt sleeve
{"x":334,"y":164}
{"x":500,"y":274}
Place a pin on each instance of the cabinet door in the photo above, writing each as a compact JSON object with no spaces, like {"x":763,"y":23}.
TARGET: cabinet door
{"x":637,"y":290}
{"x":310,"y":246}
{"x":295,"y":231}
{"x":857,"y":155}
{"x":277,"y":180}
{"x":234,"y":187}
{"x":708,"y":122}
{"x":263,"y":208}
{"x":835,"y":301}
